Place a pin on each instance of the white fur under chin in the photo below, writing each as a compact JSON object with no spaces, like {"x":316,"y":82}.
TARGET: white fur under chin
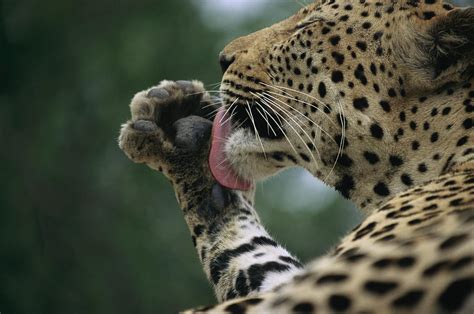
{"x":245,"y":154}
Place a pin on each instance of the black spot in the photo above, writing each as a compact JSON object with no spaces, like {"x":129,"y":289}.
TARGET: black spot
{"x":345,"y":161}
{"x":322,"y":89}
{"x":303,"y":307}
{"x":392,"y":92}
{"x":337,"y":76}
{"x":396,"y":161}
{"x":339,"y":302}
{"x":198,"y":230}
{"x":290,"y":260}
{"x":372,"y":158}
{"x":355,"y":257}
{"x":384,"y":230}
{"x":361,"y":103}
{"x":364,"y":231}
{"x":462,"y":262}
{"x":406,"y":179}
{"x":376,"y":131}
{"x":325,"y":30}
{"x":409,"y":299}
{"x":334,"y":40}
{"x":241,"y":284}
{"x":382,"y":263}
{"x":428,"y":15}
{"x":253,"y":301}
{"x":406,"y":261}
{"x":402,"y":116}
{"x":385,"y":105}
{"x":366,"y":25}
{"x":376,"y":87}
{"x":380,"y":287}
{"x":344,"y":18}
{"x":462,"y":141}
{"x":305,"y":157}
{"x":415,"y":145}
{"x":264,"y":241}
{"x":430,"y":207}
{"x":345,"y":185}
{"x":452,"y":241}
{"x":235,"y":308}
{"x":435,"y":268}
{"x":360,"y":74}
{"x":453,"y":297}
{"x":339,"y":58}
{"x":422,"y":168}
{"x":405,"y":208}
{"x":446,"y":111}
{"x":377,"y":36}
{"x":361,"y":45}
{"x":278,"y":156}
{"x":257,"y":272}
{"x":467,"y":124}
{"x":221,"y":262}
{"x":381,"y":189}
{"x":331,"y":278}
{"x":434,"y":137}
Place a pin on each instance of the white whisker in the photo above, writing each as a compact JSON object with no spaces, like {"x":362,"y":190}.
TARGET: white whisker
{"x":305,"y":117}
{"x":227,"y":111}
{"x":249,"y":111}
{"x":297,"y":134}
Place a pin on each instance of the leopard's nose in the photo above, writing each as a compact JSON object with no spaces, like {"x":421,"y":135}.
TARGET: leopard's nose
{"x":225,"y":61}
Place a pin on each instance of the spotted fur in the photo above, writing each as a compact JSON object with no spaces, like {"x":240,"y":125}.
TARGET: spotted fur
{"x":375,"y":98}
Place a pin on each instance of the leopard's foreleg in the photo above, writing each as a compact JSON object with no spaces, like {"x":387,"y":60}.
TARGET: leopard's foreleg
{"x":169,"y":132}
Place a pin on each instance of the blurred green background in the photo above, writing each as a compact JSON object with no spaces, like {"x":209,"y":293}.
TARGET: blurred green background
{"x":82,"y":229}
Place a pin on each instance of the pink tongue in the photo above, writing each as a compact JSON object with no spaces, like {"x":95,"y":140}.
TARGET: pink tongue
{"x":220,"y":167}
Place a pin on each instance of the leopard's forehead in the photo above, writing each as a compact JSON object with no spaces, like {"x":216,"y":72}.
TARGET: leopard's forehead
{"x":347,"y":41}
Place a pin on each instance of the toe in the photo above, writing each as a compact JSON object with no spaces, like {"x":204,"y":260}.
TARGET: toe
{"x":145,"y":126}
{"x":187,"y":86}
{"x":158,"y":92}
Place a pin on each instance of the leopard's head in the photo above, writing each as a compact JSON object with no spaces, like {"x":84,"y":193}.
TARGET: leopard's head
{"x":347,"y":90}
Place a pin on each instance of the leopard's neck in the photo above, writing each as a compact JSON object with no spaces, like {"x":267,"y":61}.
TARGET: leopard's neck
{"x":423,"y":138}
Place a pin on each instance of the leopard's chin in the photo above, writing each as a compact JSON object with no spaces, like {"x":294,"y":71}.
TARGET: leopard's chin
{"x":251,"y":158}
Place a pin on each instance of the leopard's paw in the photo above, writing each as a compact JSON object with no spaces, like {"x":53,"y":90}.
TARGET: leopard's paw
{"x":168,"y":121}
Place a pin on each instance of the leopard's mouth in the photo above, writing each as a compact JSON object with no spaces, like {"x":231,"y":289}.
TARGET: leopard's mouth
{"x":219,"y":163}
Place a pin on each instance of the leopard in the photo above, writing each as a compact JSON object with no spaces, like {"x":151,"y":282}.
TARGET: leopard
{"x":372,"y":97}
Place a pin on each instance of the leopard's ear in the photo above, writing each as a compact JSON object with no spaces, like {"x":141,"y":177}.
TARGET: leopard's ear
{"x":448,"y":43}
